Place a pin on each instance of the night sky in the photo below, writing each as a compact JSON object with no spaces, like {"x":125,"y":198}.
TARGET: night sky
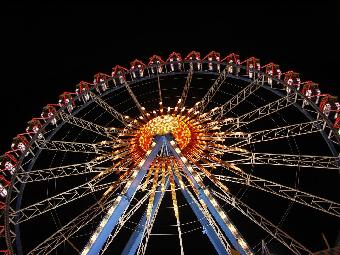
{"x":47,"y":49}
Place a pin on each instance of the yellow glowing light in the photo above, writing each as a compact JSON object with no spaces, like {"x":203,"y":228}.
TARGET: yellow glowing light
{"x":162,"y":125}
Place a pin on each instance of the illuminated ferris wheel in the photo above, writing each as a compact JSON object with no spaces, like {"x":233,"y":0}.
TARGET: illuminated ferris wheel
{"x":170,"y":155}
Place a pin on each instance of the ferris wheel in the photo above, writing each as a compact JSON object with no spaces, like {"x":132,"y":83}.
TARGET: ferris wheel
{"x":170,"y":155}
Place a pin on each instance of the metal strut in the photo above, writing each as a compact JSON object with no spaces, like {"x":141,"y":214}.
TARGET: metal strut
{"x":58,"y":200}
{"x":124,"y":219}
{"x":139,"y":106}
{"x":62,"y":171}
{"x":221,"y":218}
{"x":159,"y":88}
{"x":122,"y":202}
{"x":238,"y":98}
{"x":304,"y":198}
{"x":137,"y":236}
{"x":259,"y":158}
{"x":282,"y":132}
{"x":70,"y":146}
{"x":51,"y":243}
{"x":262,"y":111}
{"x":212,"y":91}
{"x":265,"y":224}
{"x":85,"y":124}
{"x":265,"y":250}
{"x":185,"y":91}
{"x":221,"y":247}
{"x":117,"y":115}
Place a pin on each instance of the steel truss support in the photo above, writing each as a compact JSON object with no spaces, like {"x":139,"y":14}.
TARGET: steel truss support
{"x":139,"y":106}
{"x":304,"y":198}
{"x":117,"y":115}
{"x":282,"y":132}
{"x":214,"y":235}
{"x":58,"y":200}
{"x":144,"y":224}
{"x":70,"y":228}
{"x":122,"y":202}
{"x":62,"y":171}
{"x":221,"y":218}
{"x":252,"y":158}
{"x":262,"y":111}
{"x":185,"y":90}
{"x":212,"y":90}
{"x":70,"y":146}
{"x":264,"y":249}
{"x":84,"y":124}
{"x":124,"y":219}
{"x":238,"y":98}
{"x":265,"y":224}
{"x":159,"y":88}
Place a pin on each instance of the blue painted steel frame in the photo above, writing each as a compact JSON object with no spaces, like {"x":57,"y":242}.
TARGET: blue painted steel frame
{"x":123,"y":204}
{"x":207,"y":201}
{"x":211,"y":233}
{"x":137,"y":235}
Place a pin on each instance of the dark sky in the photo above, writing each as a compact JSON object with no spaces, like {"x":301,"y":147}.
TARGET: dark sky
{"x":47,"y":49}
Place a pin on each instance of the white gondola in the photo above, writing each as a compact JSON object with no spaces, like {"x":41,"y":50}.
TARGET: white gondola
{"x":9,"y":167}
{"x":3,"y":191}
{"x":251,"y":71}
{"x":270,"y":77}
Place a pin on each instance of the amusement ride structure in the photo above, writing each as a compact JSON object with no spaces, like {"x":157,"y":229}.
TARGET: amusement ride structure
{"x":192,"y":141}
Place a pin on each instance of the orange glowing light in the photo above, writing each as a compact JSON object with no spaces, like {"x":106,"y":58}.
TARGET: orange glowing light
{"x":162,"y":125}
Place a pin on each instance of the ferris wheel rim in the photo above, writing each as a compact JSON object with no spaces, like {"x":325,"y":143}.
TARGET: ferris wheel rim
{"x":84,"y":106}
{"x":166,"y":74}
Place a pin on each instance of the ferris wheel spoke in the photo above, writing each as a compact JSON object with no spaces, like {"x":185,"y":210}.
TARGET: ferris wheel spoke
{"x":139,"y":240}
{"x":212,"y":90}
{"x":72,"y":146}
{"x":207,"y":221}
{"x":134,"y":98}
{"x":108,"y":108}
{"x":64,"y":233}
{"x":295,"y":195}
{"x":262,"y":111}
{"x":324,"y":162}
{"x":122,"y":201}
{"x":58,"y":200}
{"x":238,"y":98}
{"x":220,"y":216}
{"x":159,"y":89}
{"x":181,"y":101}
{"x":141,"y":237}
{"x":85,"y":124}
{"x":126,"y":216}
{"x":175,"y":207}
{"x":293,"y":245}
{"x":62,"y":171}
{"x":282,"y":132}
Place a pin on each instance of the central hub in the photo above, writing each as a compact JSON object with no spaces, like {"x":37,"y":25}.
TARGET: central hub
{"x":162,"y":125}
{"x":198,"y":137}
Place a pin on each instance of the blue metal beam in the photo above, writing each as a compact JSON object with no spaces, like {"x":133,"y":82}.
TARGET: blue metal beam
{"x":233,"y":240}
{"x":211,"y":233}
{"x":110,"y":220}
{"x":137,"y":236}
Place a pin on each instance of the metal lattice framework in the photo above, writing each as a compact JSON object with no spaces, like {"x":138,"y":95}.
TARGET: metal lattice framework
{"x":101,"y":162}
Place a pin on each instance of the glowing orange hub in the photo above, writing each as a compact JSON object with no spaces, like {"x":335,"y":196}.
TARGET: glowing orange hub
{"x":162,"y":125}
